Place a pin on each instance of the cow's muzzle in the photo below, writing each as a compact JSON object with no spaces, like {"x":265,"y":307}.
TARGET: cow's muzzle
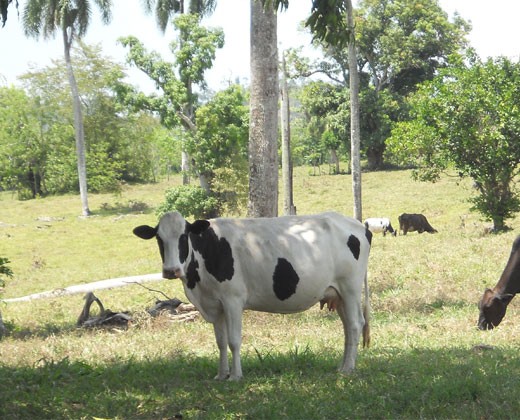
{"x":484,"y":324}
{"x":172,"y":273}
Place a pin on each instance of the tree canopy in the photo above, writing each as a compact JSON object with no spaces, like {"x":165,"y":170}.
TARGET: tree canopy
{"x":468,"y":118}
{"x":37,"y":138}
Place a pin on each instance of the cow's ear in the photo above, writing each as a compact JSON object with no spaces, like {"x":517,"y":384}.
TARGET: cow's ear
{"x":145,"y":232}
{"x":198,"y":226}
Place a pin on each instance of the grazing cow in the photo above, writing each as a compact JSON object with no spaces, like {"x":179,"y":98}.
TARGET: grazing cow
{"x":494,"y":302}
{"x":281,"y":265}
{"x":380,"y":224}
{"x":414,"y":222}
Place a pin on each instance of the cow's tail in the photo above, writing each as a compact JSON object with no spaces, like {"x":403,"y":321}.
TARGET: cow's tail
{"x":366,"y":315}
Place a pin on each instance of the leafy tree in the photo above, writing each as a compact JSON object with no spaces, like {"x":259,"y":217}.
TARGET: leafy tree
{"x":219,"y":146}
{"x":194,"y":54}
{"x":400,"y":44}
{"x":71,"y":18}
{"x":327,"y":113}
{"x":37,"y":138}
{"x":23,"y":147}
{"x":468,"y":117}
{"x":164,"y":10}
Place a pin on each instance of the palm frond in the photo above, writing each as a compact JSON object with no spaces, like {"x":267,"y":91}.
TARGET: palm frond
{"x":165,"y":9}
{"x":105,"y":7}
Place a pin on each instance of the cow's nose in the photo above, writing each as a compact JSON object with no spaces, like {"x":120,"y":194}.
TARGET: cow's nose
{"x":172,"y":273}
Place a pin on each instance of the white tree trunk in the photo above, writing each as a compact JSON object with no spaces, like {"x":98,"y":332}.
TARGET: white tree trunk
{"x":185,"y":167}
{"x":78,"y":126}
{"x":287,"y":168}
{"x":354,"y":114}
{"x":263,"y":124}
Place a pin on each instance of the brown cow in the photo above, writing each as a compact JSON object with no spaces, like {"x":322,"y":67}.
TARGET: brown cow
{"x":494,"y":301}
{"x":413,"y":223}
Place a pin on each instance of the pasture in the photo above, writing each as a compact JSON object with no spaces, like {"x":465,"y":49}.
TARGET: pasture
{"x":427,"y":358}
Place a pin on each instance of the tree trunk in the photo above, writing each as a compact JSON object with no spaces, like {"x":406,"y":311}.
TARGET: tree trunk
{"x":354,"y":113}
{"x":335,"y":160}
{"x":287,"y":167}
{"x":375,"y":158}
{"x":78,"y":125}
{"x":263,"y":125}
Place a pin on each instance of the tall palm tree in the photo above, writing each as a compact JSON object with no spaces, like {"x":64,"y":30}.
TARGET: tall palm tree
{"x":263,"y":121}
{"x":332,"y":21}
{"x":355,"y":135}
{"x":165,"y":9}
{"x":70,"y":17}
{"x":4,"y":4}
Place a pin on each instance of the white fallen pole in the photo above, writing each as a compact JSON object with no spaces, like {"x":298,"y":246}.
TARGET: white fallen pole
{"x":88,"y":287}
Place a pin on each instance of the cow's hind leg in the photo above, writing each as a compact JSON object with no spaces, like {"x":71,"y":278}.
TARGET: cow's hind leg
{"x":221,"y":336}
{"x":351,"y":314}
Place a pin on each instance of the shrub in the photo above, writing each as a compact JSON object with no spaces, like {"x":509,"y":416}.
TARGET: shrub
{"x":189,"y":200}
{"x":5,"y":271}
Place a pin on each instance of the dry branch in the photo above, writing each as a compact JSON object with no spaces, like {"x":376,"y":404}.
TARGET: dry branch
{"x":105,"y":318}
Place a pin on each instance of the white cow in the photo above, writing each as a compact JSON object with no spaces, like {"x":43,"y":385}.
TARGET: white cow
{"x":280,"y":265}
{"x":380,"y":224}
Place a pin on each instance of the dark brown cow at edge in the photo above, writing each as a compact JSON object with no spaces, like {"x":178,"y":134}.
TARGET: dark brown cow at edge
{"x":494,"y":301}
{"x":414,"y":223}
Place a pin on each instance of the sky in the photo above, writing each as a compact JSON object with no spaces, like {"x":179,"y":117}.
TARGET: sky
{"x":495,"y":32}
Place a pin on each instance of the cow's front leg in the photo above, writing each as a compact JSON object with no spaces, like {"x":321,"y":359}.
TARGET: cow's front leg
{"x":351,"y":315}
{"x":219,"y":326}
{"x":234,"y":332}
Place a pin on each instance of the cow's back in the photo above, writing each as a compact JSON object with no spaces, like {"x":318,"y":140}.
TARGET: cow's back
{"x":285,"y":264}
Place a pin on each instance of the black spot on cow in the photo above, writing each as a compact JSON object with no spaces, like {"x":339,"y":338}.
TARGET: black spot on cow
{"x":217,"y":254}
{"x":368,"y":235}
{"x":160,"y":243}
{"x":183,"y":248}
{"x":192,"y":274}
{"x":354,"y":246}
{"x":285,"y":279}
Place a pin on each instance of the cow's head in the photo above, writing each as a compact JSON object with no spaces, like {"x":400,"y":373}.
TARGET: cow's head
{"x":172,"y":237}
{"x":492,"y":309}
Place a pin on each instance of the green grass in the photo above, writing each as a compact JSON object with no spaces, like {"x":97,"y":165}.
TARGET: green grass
{"x":427,"y":359}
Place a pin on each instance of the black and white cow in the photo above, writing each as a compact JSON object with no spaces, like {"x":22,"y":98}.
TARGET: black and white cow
{"x":380,"y":225}
{"x":280,"y":265}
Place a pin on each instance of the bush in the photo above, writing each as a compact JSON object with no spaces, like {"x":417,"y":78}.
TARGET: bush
{"x":5,"y":271}
{"x":189,"y":200}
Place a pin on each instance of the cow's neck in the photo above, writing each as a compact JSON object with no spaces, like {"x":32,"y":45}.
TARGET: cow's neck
{"x":509,"y":282}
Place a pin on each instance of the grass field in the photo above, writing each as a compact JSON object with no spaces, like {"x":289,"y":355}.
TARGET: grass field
{"x":427,"y":359}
